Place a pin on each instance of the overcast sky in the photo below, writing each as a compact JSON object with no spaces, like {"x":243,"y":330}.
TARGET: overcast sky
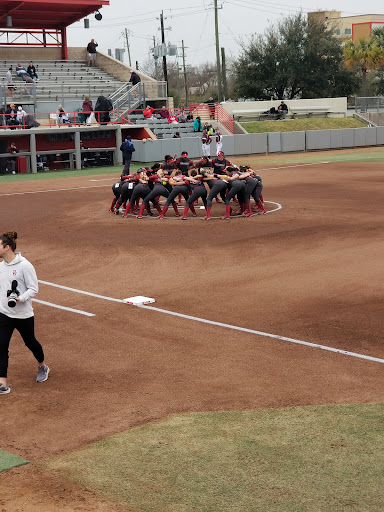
{"x":193,"y":22}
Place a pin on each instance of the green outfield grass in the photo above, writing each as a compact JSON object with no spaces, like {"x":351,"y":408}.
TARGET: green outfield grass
{"x":312,"y":459}
{"x":9,"y":461}
{"x":296,"y":125}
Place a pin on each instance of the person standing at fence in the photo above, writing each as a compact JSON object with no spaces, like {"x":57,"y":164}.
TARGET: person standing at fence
{"x":127,"y":149}
{"x":18,"y":285}
{"x":211,"y":107}
{"x":91,"y":52}
{"x":206,"y":144}
{"x":88,"y":115}
{"x":10,"y":84}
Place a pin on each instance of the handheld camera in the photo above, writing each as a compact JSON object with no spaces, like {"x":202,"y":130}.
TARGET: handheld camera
{"x":12,"y":294}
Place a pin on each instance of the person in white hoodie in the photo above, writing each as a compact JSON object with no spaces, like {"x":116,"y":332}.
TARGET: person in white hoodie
{"x":18,"y":284}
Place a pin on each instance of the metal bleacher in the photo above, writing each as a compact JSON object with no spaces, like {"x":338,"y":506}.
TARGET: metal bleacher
{"x":162,"y":128}
{"x":59,"y":82}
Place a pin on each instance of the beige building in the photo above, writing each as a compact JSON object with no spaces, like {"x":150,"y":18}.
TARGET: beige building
{"x":349,"y":27}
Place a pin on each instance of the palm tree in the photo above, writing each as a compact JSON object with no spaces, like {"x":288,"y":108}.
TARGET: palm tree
{"x":378,"y":37}
{"x":364,"y":56}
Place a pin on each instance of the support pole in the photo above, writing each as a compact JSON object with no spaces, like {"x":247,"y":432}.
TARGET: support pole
{"x":185,"y":75}
{"x":219,"y":86}
{"x":128,"y":49}
{"x":77,"y":150}
{"x":32,"y":148}
{"x":165,"y":72}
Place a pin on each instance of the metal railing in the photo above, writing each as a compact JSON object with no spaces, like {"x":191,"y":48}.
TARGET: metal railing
{"x":54,"y":119}
{"x":369,"y":104}
{"x":213,"y":112}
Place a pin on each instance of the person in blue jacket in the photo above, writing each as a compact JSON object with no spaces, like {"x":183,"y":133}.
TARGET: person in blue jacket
{"x":127,"y":149}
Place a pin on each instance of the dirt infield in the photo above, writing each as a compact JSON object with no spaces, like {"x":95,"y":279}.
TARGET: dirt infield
{"x":311,"y":271}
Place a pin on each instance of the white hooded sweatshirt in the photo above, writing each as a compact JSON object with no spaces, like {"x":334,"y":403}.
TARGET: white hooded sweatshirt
{"x":22,"y":271}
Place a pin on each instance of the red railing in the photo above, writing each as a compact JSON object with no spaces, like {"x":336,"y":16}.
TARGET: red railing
{"x":52,"y":119}
{"x":213,"y":112}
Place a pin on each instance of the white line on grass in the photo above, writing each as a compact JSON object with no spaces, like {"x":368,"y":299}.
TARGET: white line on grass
{"x":78,"y":311}
{"x":227,"y":326}
{"x":51,"y":190}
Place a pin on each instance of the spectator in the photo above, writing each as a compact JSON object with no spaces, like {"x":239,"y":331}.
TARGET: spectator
{"x":10,"y":85}
{"x":181,"y":115}
{"x":172,"y":119}
{"x":282,"y":110}
{"x":189,"y":117}
{"x":211,"y":107}
{"x":11,"y":117}
{"x":127,"y":148}
{"x":148,"y":112}
{"x":22,"y":72}
{"x":12,"y":161}
{"x":31,"y":70}
{"x":62,"y":117}
{"x":135,"y":79}
{"x":197,"y":125}
{"x":177,"y":135}
{"x":102,"y":109}
{"x":164,"y":112}
{"x":20,"y":116}
{"x":91,"y":51}
{"x":88,"y":114}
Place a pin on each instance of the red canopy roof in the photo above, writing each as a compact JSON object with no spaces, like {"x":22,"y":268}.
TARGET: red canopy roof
{"x":48,"y":14}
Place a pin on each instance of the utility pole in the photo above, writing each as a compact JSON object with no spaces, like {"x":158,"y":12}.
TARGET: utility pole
{"x":165,"y":73}
{"x":219,"y":85}
{"x":185,"y":74}
{"x":224,"y":71}
{"x":128,"y":49}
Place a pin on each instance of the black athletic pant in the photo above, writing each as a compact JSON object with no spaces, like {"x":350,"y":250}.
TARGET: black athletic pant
{"x":140,"y":190}
{"x":257,"y":191}
{"x":116,"y":189}
{"x":159,"y":190}
{"x":125,"y":193}
{"x":26,"y":328}
{"x":219,"y":187}
{"x":197,"y":192}
{"x":250,"y":185}
{"x":177,"y":189}
{"x":237,"y":188}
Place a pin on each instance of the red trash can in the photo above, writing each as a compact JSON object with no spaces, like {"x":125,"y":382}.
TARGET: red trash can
{"x":22,"y":164}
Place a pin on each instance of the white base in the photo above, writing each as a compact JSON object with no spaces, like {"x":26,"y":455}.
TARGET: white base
{"x":138,"y":300}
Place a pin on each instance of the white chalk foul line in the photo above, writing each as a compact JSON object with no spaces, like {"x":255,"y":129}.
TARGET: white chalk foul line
{"x":80,"y":291}
{"x":78,"y":311}
{"x":261,"y":333}
{"x":292,"y":166}
{"x":227,"y":326}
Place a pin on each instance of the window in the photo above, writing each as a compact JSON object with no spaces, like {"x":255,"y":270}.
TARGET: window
{"x":348,"y":31}
{"x":338,"y":32}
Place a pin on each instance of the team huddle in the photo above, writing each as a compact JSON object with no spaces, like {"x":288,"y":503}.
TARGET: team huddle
{"x":208,"y":180}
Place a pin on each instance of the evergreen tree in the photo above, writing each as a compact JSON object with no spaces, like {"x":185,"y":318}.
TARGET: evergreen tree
{"x":293,"y":59}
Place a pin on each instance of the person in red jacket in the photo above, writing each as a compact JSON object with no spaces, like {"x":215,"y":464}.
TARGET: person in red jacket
{"x":148,"y":112}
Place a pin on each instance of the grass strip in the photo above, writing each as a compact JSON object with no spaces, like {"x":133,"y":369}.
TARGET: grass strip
{"x":298,"y":125}
{"x":323,"y":458}
{"x":9,"y":461}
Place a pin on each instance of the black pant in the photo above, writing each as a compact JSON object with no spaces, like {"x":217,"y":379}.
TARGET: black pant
{"x":237,"y":188}
{"x":158,"y":190}
{"x":26,"y":328}
{"x":257,"y":191}
{"x":197,"y":192}
{"x":177,"y":189}
{"x":250,"y":185}
{"x":219,"y":187}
